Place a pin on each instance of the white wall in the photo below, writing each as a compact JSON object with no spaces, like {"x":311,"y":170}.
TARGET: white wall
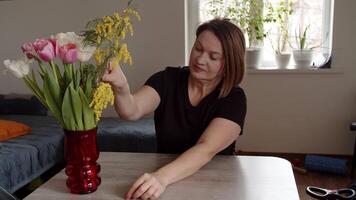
{"x":158,"y":40}
{"x":299,"y":113}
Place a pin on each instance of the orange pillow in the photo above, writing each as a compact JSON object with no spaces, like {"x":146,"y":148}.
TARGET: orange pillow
{"x":10,"y":129}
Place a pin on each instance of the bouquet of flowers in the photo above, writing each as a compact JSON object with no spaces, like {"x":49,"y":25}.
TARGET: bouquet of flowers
{"x":70,"y":86}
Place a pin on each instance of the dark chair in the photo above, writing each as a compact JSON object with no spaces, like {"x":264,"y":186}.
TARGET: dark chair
{"x":353,"y":128}
{"x":5,"y":195}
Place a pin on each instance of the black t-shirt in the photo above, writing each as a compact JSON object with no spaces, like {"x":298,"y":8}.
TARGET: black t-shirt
{"x":178,"y":124}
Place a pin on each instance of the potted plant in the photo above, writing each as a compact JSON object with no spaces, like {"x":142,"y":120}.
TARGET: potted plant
{"x":281,"y":54}
{"x":253,"y":27}
{"x":248,"y":15}
{"x":279,"y":15}
{"x":303,"y":54}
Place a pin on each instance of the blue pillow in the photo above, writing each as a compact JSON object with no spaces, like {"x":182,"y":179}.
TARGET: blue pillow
{"x":21,"y":106}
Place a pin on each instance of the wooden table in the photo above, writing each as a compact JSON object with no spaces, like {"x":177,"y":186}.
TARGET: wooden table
{"x":223,"y":178}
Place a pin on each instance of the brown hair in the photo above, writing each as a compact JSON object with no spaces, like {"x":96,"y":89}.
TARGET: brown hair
{"x":233,"y":44}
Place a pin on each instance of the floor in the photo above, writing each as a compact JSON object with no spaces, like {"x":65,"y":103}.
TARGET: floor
{"x":330,"y":181}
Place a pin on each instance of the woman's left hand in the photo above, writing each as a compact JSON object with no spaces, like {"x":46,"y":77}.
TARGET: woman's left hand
{"x":148,"y":186}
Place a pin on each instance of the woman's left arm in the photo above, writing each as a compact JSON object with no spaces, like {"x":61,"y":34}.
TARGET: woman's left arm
{"x":217,"y":136}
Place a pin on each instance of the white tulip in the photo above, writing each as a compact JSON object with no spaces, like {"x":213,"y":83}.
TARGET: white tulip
{"x":18,"y":68}
{"x":85,"y":52}
{"x":65,"y":38}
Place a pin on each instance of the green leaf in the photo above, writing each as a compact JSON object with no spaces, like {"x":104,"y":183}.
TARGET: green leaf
{"x":34,"y":80}
{"x":58,"y":74}
{"x":304,"y":38}
{"x":67,"y":110}
{"x":77,"y":79}
{"x":88,"y":88}
{"x":54,"y":88}
{"x":68,"y":74}
{"x":88,"y":113}
{"x":37,"y":92}
{"x":76,"y":106}
{"x":51,"y":101}
{"x":42,"y":69}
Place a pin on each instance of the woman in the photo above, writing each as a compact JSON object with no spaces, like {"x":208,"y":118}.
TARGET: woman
{"x":199,"y":110}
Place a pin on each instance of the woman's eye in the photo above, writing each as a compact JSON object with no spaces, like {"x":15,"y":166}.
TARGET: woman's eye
{"x":214,"y":58}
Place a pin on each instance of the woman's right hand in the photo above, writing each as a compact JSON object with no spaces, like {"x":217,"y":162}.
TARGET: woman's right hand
{"x":114,"y":75}
{"x":129,"y":106}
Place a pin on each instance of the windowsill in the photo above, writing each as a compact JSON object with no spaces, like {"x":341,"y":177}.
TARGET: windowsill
{"x":295,"y":71}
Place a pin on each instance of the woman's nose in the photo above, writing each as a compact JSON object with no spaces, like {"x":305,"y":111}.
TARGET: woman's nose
{"x":202,"y":58}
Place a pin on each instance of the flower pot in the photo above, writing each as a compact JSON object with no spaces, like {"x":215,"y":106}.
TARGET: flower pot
{"x":282,"y":60}
{"x":253,"y":57}
{"x":81,"y":153}
{"x":303,"y":58}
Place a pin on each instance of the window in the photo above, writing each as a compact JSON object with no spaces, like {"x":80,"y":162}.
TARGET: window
{"x":314,"y":17}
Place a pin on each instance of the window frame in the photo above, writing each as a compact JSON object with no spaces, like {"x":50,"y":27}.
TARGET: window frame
{"x":192,"y":22}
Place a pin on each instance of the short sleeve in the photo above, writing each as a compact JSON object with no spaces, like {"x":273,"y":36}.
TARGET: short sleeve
{"x":156,"y":81}
{"x":164,"y":81}
{"x":233,"y":107}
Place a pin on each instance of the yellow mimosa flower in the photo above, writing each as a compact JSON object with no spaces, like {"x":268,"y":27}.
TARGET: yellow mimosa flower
{"x":103,"y":95}
{"x":133,"y":12}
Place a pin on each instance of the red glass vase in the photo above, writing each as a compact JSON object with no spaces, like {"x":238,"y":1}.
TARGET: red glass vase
{"x":81,"y":153}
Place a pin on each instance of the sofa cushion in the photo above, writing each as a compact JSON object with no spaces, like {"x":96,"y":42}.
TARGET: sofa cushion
{"x":21,"y":104}
{"x":10,"y":129}
{"x":116,"y":135}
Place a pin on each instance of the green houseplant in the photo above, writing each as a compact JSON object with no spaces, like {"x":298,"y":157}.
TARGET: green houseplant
{"x":248,"y":15}
{"x":303,"y":54}
{"x":279,"y":15}
{"x":305,"y":51}
{"x":301,"y":38}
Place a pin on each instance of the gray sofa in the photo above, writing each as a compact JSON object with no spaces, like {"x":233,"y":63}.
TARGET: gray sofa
{"x":24,"y":158}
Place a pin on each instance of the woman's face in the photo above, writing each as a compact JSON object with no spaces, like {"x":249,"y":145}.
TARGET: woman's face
{"x":206,"y":58}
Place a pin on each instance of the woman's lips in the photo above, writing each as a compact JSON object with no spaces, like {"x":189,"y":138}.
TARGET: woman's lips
{"x":196,"y":68}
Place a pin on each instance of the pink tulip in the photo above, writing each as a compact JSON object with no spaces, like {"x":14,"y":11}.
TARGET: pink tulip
{"x":68,"y":53}
{"x":27,"y":49}
{"x":44,"y":49}
{"x":55,"y":45}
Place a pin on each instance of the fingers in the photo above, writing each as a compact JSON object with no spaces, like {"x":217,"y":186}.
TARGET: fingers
{"x":149,"y":193}
{"x":113,"y":65}
{"x":112,"y":72}
{"x":156,"y":194}
{"x":141,"y":190}
{"x":109,"y":74}
{"x":146,"y":187}
{"x":139,"y":182}
{"x":106,"y":76}
{"x":152,"y":195}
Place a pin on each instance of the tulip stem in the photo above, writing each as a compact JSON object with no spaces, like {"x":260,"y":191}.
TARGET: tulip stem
{"x":53,"y":70}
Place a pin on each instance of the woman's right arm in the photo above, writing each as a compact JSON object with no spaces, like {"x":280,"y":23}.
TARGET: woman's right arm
{"x":130,"y":106}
